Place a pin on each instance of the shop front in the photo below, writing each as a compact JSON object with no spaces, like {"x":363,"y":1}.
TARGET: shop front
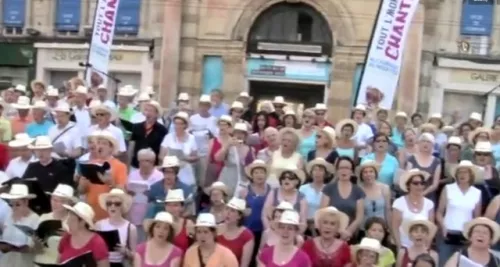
{"x":17,"y":64}
{"x":463,"y":87}
{"x":59,"y":62}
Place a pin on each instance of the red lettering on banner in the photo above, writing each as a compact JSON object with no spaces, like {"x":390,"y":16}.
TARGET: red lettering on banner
{"x":393,"y":47}
{"x":109,"y":22}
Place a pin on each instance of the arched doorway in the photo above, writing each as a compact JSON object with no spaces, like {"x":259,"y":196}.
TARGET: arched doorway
{"x":289,"y":50}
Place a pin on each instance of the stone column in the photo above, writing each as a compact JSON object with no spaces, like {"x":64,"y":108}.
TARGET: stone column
{"x":489,"y":114}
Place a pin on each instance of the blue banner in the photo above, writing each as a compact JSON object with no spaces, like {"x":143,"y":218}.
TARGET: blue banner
{"x":14,"y":13}
{"x":127,"y":19}
{"x":477,"y":17}
{"x":68,"y":15}
{"x":289,"y":70}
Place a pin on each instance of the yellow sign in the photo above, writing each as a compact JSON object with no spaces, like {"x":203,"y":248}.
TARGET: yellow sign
{"x":463,"y":76}
{"x":77,"y":55}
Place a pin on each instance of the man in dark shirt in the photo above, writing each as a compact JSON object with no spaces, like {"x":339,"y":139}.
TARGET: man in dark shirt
{"x":49,"y":172}
{"x":147,"y":134}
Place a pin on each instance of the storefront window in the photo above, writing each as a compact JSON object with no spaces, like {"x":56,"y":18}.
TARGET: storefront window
{"x":12,"y":76}
{"x":57,"y":78}
{"x":133,"y":79}
{"x":458,"y":106}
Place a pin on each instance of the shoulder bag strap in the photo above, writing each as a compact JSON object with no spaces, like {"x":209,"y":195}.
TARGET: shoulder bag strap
{"x":62,"y":133}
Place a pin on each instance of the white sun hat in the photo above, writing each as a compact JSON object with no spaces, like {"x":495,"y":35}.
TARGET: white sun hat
{"x":244,"y":95}
{"x":183,"y":97}
{"x":320,"y":107}
{"x":279,"y":100}
{"x":239,"y":205}
{"x":170,"y":162}
{"x":406,"y":176}
{"x":321,"y":162}
{"x":370,"y":244}
{"x":82,"y":90}
{"x":161,"y":216}
{"x":182,"y":115}
{"x":240,"y":126}
{"x":83,"y":211}
{"x":205,"y":220}
{"x":341,"y":124}
{"x":401,"y":114}
{"x":155,"y":105}
{"x":290,"y":217}
{"x":284,"y":205}
{"x":118,"y":193}
{"x":237,"y":105}
{"x":107,"y":135}
{"x":293,"y":169}
{"x":257,"y":163}
{"x":467,"y":164}
{"x":420,"y":220}
{"x":63,"y":107}
{"x":21,"y":140}
{"x":23,"y":102}
{"x":20,"y":88}
{"x":495,"y":228}
{"x":438,"y":116}
{"x":127,"y":91}
{"x":225,"y":118}
{"x":52,"y":91}
{"x":41,"y":142}
{"x":454,"y":140}
{"x":476,"y":116}
{"x":64,"y":191}
{"x":343,"y":218}
{"x":39,"y":104}
{"x":144,"y":96}
{"x":484,"y":147}
{"x":218,"y":185}
{"x":205,"y":99}
{"x":173,"y":195}
{"x":359,"y":107}
{"x":18,"y":191}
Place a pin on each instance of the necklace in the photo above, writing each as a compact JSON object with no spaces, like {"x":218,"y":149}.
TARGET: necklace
{"x":415,"y":205}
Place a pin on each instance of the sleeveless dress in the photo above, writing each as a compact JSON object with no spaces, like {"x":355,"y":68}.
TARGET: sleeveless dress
{"x":494,"y":262}
{"x":256,"y":204}
{"x":340,"y":257}
{"x":307,"y":144}
{"x":346,"y":152}
{"x":431,"y":169}
{"x":406,"y":261}
{"x":181,"y":240}
{"x":233,"y":172}
{"x":174,"y":253}
{"x":296,"y":205}
{"x":237,"y":244}
{"x":279,"y":162}
{"x":300,"y":259}
{"x":214,"y":167}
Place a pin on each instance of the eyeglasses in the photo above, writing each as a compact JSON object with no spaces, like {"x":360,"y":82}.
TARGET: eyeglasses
{"x":483,"y":154}
{"x":100,"y":114}
{"x":15,"y":204}
{"x":416,"y":183}
{"x":111,"y":203}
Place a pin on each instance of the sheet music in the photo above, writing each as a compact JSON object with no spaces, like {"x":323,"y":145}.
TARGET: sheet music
{"x":466,"y":262}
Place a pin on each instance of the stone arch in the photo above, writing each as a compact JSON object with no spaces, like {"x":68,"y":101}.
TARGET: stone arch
{"x":333,"y":11}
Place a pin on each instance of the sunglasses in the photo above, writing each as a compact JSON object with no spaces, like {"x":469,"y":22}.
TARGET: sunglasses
{"x":287,"y":177}
{"x":320,"y":113}
{"x":483,"y":154}
{"x":416,"y":183}
{"x":100,"y":114}
{"x":111,"y":203}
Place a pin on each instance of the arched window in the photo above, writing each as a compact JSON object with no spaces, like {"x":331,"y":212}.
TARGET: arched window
{"x":291,"y":23}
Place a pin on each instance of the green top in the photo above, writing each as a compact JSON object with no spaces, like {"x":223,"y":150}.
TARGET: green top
{"x":386,"y":258}
{"x":6,"y":129}
{"x":126,"y":115}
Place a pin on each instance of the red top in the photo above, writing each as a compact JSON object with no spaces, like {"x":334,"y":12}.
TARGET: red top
{"x":4,"y":156}
{"x":181,"y":240}
{"x":339,"y":257}
{"x":216,"y":147}
{"x":236,"y":245}
{"x":406,"y":261}
{"x":273,"y":122}
{"x":96,"y":244}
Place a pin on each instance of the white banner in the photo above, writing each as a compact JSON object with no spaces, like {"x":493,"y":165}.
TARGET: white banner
{"x":102,"y":39}
{"x":381,"y":74}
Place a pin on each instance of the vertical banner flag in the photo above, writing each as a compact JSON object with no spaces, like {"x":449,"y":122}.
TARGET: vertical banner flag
{"x":127,"y":20}
{"x":102,"y":39}
{"x":14,"y":13}
{"x":385,"y":52}
{"x":477,"y":17}
{"x":68,"y":15}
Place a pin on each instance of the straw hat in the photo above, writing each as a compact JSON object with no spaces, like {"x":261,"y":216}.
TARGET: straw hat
{"x":244,"y":95}
{"x":205,"y":220}
{"x":64,"y":191}
{"x":62,"y":107}
{"x":170,"y":162}
{"x":237,"y":105}
{"x":183,"y":116}
{"x":454,"y":140}
{"x":320,"y":107}
{"x":330,"y":134}
{"x":359,"y":107}
{"x":240,"y":126}
{"x":82,"y":90}
{"x":420,"y":220}
{"x":127,"y":91}
{"x":284,"y":205}
{"x":343,"y":218}
{"x":144,"y":96}
{"x":239,"y":205}
{"x":95,"y":107}
{"x":290,"y":112}
{"x":23,"y":102}
{"x":401,"y":114}
{"x":437,"y":116}
{"x":406,"y":176}
{"x":344,"y":122}
{"x":476,"y":116}
{"x":173,"y":195}
{"x":428,"y":127}
{"x":478,"y":131}
{"x":205,"y":99}
{"x":20,"y":88}
{"x":367,"y":243}
{"x":52,"y":91}
{"x":225,"y":118}
{"x":39,"y":104}
{"x":183,"y":97}
{"x":218,"y":186}
{"x":118,"y":193}
{"x":466,"y":164}
{"x":257,"y":163}
{"x":155,"y":105}
{"x":107,"y":135}
{"x":161,"y":216}
{"x":495,"y":228}
{"x":448,"y":129}
{"x":279,"y":100}
{"x":483,"y":147}
{"x":21,"y":140}
{"x":18,"y":191}
{"x":37,"y":82}
{"x":41,"y":142}
{"x":367,"y":164}
{"x":290,"y":217}
{"x":321,"y":162}
{"x":293,"y":169}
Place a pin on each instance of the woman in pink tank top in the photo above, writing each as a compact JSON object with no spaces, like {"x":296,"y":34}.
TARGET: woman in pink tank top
{"x":158,"y":251}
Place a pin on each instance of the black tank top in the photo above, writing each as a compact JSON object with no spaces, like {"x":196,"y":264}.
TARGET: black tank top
{"x":494,"y":262}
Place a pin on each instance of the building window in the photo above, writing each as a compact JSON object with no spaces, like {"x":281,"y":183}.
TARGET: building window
{"x":68,"y":16}
{"x":213,"y":73}
{"x":58,"y":78}
{"x":477,"y":17}
{"x":128,"y":18}
{"x":14,"y":16}
{"x":458,"y":106}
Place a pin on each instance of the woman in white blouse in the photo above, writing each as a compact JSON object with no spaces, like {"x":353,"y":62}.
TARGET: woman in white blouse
{"x":286,"y":155}
{"x":17,"y":166}
{"x":459,"y":203}
{"x":412,"y":205}
{"x":183,"y":145}
{"x":117,"y":203}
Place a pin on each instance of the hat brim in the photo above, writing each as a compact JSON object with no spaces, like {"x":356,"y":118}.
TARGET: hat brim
{"x":317,"y":162}
{"x":224,"y":120}
{"x":17,"y":106}
{"x":86,"y":219}
{"x":148,"y":222}
{"x":70,"y":198}
{"x":361,"y":167}
{"x":125,"y":198}
{"x":474,"y":169}
{"x":252,"y":166}
{"x":246,"y":211}
{"x":477,"y":132}
{"x":407,"y":225}
{"x":35,"y":147}
{"x":224,"y":189}
{"x":35,"y":82}
{"x":18,"y":143}
{"x":341,"y":124}
{"x":14,"y":197}
{"x":482,"y":221}
{"x":343,"y":218}
{"x":408,"y":175}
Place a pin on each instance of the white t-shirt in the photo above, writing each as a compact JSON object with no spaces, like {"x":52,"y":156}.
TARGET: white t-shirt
{"x":123,"y":230}
{"x":363,"y":134}
{"x":459,"y":206}
{"x":170,"y":141}
{"x":407,"y":215}
{"x":200,"y":128}
{"x":71,"y":138}
{"x":17,"y":167}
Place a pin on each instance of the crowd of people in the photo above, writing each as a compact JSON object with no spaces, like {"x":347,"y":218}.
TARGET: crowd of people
{"x":211,"y":184}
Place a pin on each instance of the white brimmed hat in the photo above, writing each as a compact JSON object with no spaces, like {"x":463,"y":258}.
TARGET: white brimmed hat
{"x":290,"y":112}
{"x":239,"y":205}
{"x":320,"y":107}
{"x":467,"y":164}
{"x":183,"y":97}
{"x":279,"y":100}
{"x":344,"y":122}
{"x":64,"y":191}
{"x":476,"y":116}
{"x":218,"y":185}
{"x":205,"y":220}
{"x":96,"y":106}
{"x":52,"y":91}
{"x":478,"y":131}
{"x":20,"y":88}
{"x":183,"y":116}
{"x":155,"y":105}
{"x":290,"y":217}
{"x":161,"y":216}
{"x":225,"y":118}
{"x":401,"y":114}
{"x":438,"y":116}
{"x":454,"y":140}
{"x":144,"y":96}
{"x":484,"y":147}
{"x":495,"y":228}
{"x":284,"y":205}
{"x":343,"y":218}
{"x":448,"y":129}
{"x":107,"y":135}
{"x":39,"y":104}
{"x":21,"y":140}
{"x":244,"y":95}
{"x":367,"y":164}
{"x":41,"y":142}
{"x":127,"y":91}
{"x":240,"y":126}
{"x":23,"y":102}
{"x":82,"y":90}
{"x":205,"y":99}
{"x":406,"y":176}
{"x":420,"y":220}
{"x":173,"y":195}
{"x":321,"y":162}
{"x":84,"y":211}
{"x":293,"y":169}
{"x":118,"y":193}
{"x":367,"y":243}
{"x":170,"y":162}
{"x":359,"y":107}
{"x":237,"y":105}
{"x":18,"y":191}
{"x":62,"y":107}
{"x":257,"y":163}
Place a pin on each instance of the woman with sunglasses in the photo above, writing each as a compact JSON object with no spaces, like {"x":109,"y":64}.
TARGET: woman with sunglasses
{"x":412,"y":205}
{"x":352,"y":204}
{"x":174,"y":205}
{"x":490,"y":186}
{"x":290,"y":179}
{"x":22,"y":253}
{"x":117,"y":203}
{"x":388,"y":163}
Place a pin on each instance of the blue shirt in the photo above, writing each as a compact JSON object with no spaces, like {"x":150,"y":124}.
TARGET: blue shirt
{"x":157,"y":192}
{"x":217,"y":111}
{"x":388,"y":168}
{"x":397,"y":137}
{"x":313,"y":199}
{"x":35,"y":129}
{"x":496,"y":154}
